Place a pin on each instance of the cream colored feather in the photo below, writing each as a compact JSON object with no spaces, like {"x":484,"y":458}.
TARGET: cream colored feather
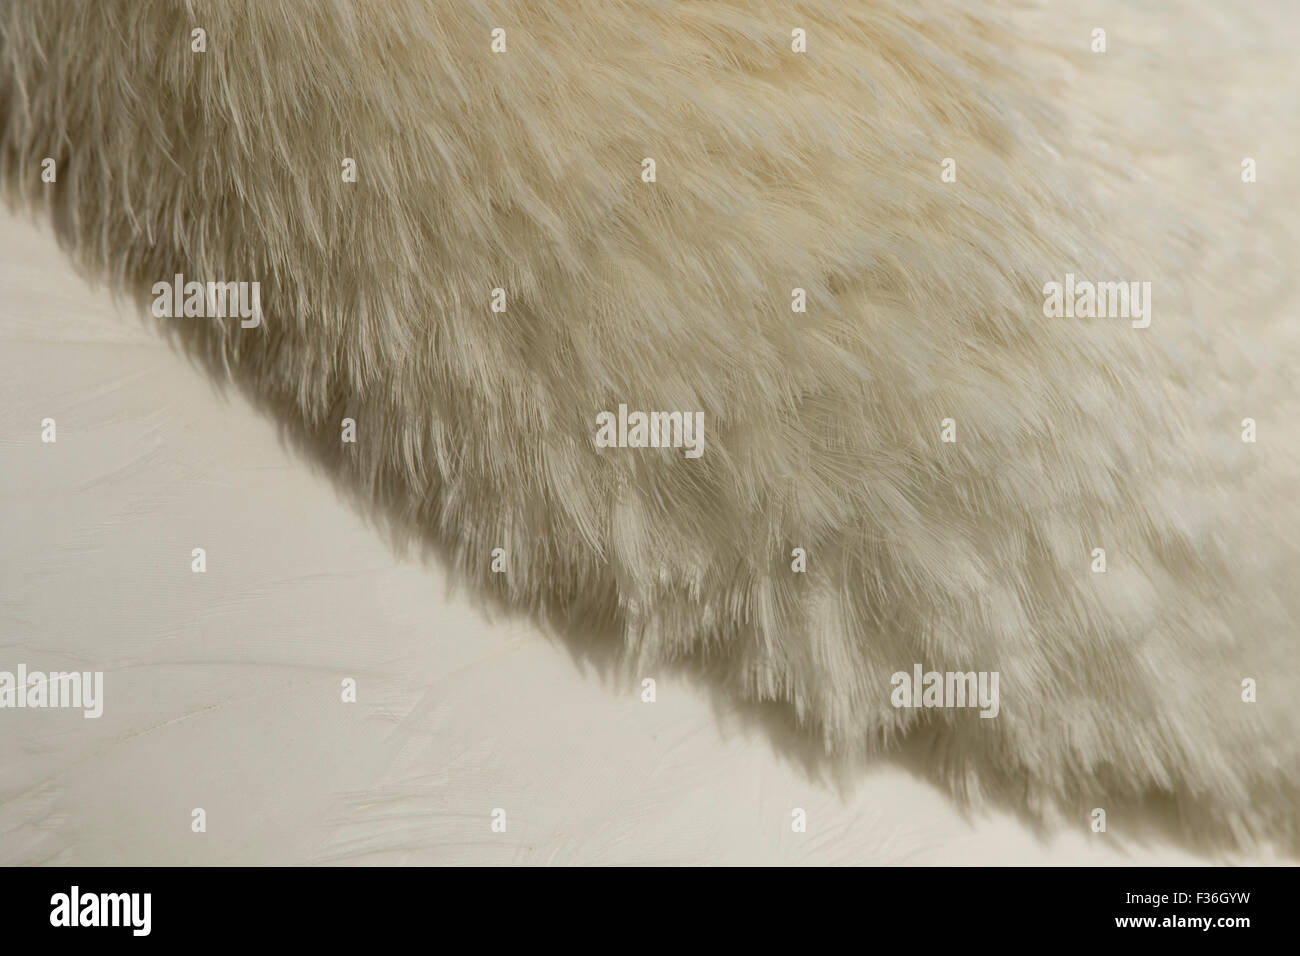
{"x":775,"y":170}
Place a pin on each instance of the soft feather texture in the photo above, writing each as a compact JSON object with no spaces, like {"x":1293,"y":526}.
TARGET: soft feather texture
{"x":775,"y":170}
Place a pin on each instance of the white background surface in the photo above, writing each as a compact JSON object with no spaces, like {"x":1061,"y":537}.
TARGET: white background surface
{"x":223,"y":689}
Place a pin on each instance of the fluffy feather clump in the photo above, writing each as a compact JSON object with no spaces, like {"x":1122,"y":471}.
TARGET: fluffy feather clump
{"x":775,"y":170}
